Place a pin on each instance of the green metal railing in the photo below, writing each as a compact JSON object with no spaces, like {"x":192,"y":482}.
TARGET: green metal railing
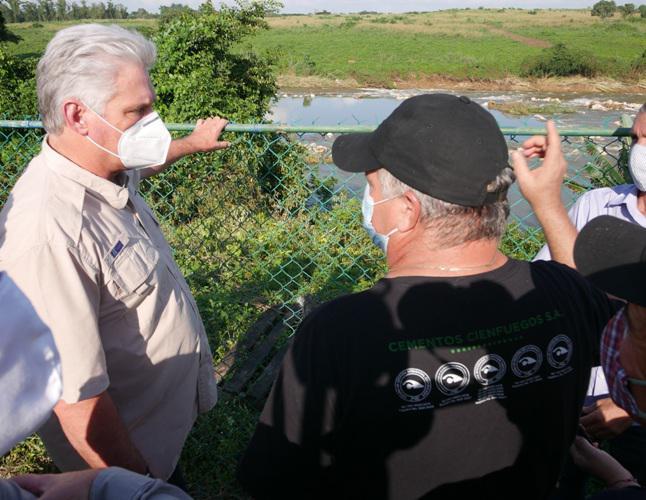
{"x":263,"y":128}
{"x":271,"y":222}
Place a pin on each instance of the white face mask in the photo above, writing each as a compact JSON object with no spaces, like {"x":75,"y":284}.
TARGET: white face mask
{"x":143,"y":145}
{"x":367,"y":207}
{"x":637,"y":165}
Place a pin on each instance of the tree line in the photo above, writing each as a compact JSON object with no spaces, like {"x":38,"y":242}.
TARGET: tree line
{"x":18,"y":11}
{"x":607,"y":8}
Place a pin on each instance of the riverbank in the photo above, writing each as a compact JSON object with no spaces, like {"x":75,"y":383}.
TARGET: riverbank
{"x":571,"y":85}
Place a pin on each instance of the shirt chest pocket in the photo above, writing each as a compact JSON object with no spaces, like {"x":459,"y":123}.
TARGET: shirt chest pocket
{"x":132,"y":265}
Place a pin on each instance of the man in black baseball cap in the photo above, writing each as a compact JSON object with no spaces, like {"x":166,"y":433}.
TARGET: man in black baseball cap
{"x":461,"y":373}
{"x":447,"y":147}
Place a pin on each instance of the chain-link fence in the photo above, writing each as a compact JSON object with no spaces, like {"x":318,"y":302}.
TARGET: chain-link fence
{"x":271,"y":222}
{"x":262,"y":231}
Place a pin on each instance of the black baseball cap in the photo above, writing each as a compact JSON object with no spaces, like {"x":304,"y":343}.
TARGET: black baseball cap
{"x":612,"y":253}
{"x":448,"y":147}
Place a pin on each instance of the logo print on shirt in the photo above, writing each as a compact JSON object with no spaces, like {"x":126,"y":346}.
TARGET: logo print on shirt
{"x":559,"y":351}
{"x":452,"y":378}
{"x":413,"y":385}
{"x":116,"y":249}
{"x":490,"y":369}
{"x":527,"y":361}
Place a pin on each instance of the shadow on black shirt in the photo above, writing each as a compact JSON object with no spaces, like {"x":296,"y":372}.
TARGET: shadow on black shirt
{"x":433,"y":388}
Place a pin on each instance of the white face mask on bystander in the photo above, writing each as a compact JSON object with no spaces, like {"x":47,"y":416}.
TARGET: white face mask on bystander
{"x":144,"y":144}
{"x":637,"y":165}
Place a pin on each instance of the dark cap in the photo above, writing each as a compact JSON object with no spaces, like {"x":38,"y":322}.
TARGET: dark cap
{"x":612,"y":253}
{"x":448,"y":147}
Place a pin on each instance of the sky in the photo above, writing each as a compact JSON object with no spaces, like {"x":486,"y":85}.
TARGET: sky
{"x":309,"y":6}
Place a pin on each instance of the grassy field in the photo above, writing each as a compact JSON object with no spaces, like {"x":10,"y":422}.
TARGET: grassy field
{"x":382,"y":50}
{"x":35,"y":38}
{"x":387,"y":50}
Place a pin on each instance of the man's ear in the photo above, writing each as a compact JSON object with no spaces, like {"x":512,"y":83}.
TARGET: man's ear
{"x":74,"y":115}
{"x":411,"y":212}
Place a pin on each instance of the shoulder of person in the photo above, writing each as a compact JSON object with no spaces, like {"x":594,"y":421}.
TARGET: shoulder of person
{"x":605,"y":194}
{"x":339,"y":316}
{"x":557,"y":269}
{"x":349,"y":304}
{"x":567,"y":281}
{"x":42,"y":209}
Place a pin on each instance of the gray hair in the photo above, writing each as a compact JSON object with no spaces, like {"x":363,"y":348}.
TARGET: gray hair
{"x":453,"y":224}
{"x":642,"y":109}
{"x":83,"y":62}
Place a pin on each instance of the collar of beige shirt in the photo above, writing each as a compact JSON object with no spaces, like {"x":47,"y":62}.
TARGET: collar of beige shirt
{"x":114,"y":193}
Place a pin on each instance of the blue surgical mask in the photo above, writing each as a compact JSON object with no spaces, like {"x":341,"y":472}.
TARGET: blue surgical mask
{"x":367,"y":207}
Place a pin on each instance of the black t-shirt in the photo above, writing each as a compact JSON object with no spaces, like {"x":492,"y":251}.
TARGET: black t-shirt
{"x":466,"y":387}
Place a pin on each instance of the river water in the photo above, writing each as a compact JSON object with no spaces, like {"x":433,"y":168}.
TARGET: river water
{"x":371,"y":106}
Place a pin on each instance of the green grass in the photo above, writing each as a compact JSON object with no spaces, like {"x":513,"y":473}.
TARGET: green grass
{"x":209,"y":458}
{"x":382,"y":49}
{"x":214,"y":447}
{"x":480,"y":44}
{"x":373,"y":55}
{"x":616,"y":44}
{"x":34,"y":40}
{"x":522,"y":109}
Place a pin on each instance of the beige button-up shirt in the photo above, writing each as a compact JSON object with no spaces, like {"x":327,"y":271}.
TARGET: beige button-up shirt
{"x":91,"y":257}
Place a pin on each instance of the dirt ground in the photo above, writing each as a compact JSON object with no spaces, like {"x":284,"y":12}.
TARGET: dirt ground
{"x":550,"y":85}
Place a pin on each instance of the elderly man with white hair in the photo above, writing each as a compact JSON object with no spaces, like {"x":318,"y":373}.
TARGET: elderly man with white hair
{"x":83,"y":246}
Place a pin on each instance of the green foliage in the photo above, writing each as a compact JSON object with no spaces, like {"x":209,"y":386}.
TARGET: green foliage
{"x":17,"y":101}
{"x":17,"y":11}
{"x":349,"y":22}
{"x":528,"y":109}
{"x":28,"y":457}
{"x":604,"y":9}
{"x":642,"y":11}
{"x":638,"y":67}
{"x":168,"y":12}
{"x":142,"y":13}
{"x":604,"y":170}
{"x":561,"y":60}
{"x":198,"y":72}
{"x":627,"y":9}
{"x":214,"y":447}
{"x":17,"y":86}
{"x":5,"y":34}
{"x":522,"y":242}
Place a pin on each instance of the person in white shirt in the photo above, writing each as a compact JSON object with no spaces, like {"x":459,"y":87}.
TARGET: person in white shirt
{"x":602,"y":418}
